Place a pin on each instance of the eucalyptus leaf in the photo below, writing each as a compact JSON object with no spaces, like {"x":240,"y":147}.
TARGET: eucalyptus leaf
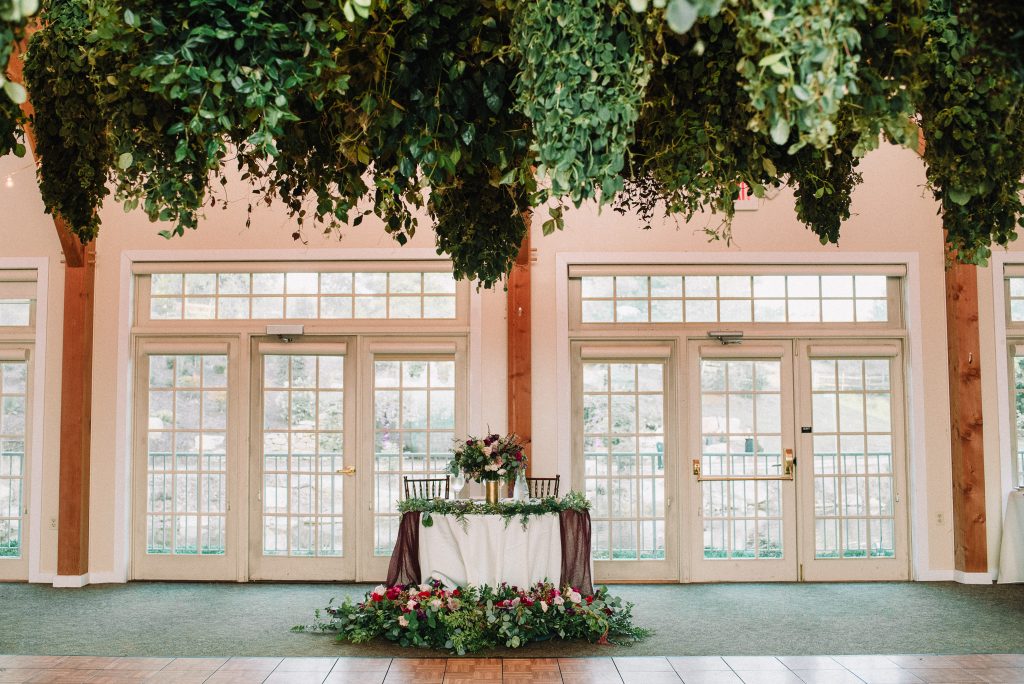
{"x":681,"y":15}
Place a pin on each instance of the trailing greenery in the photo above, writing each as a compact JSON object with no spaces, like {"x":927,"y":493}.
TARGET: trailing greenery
{"x":68,"y":122}
{"x":972,"y":113}
{"x":14,"y":15}
{"x":581,"y":83}
{"x":473,"y":114}
{"x":508,"y":510}
{"x":468,"y":619}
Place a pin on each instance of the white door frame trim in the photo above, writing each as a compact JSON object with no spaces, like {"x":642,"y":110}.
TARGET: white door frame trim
{"x":917,"y":470}
{"x":123,"y":414}
{"x":37,"y":433}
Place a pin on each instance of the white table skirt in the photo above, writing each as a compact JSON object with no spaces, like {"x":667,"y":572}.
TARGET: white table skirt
{"x":489,"y":552}
{"x":1011,"y":549}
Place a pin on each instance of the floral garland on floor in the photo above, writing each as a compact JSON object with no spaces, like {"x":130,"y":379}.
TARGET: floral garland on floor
{"x":460,"y":508}
{"x":469,"y":619}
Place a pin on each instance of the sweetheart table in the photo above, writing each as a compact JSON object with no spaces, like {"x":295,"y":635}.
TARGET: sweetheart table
{"x":464,"y":542}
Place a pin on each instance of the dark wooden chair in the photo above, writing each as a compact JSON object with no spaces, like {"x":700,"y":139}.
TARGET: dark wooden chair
{"x":541,"y":487}
{"x":427,"y":487}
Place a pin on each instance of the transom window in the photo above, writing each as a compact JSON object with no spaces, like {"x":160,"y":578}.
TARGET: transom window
{"x":1016,"y":291}
{"x":15,"y":312}
{"x":302,"y":295}
{"x":633,"y":295}
{"x":17,"y":298}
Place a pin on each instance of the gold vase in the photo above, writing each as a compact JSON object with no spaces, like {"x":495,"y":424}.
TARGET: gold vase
{"x":493,"y":487}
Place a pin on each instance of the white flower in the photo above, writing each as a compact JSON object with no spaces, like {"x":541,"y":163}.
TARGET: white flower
{"x":435,"y":603}
{"x":453,"y":604}
{"x":402,"y":621}
{"x":544,"y":606}
{"x":425,"y":587}
{"x":411,"y":605}
{"x":515,"y":602}
{"x":501,"y":471}
{"x":380,"y":590}
{"x":575,"y":597}
{"x":558,"y":600}
{"x":490,"y":467}
{"x":487,"y":450}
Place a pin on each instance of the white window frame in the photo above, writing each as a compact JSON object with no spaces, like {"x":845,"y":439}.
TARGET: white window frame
{"x":468,"y":326}
{"x":911,"y":332}
{"x":1009,"y":340}
{"x":33,"y":341}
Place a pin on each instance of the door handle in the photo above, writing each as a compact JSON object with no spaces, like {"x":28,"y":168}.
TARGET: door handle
{"x":789,"y":464}
{"x":351,"y":470}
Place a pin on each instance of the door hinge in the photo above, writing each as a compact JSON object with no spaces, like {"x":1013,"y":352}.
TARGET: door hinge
{"x":800,"y":575}
{"x":897,"y":497}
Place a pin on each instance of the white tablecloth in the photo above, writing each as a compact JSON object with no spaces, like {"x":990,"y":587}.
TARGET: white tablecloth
{"x":489,"y":552}
{"x":1011,"y":549}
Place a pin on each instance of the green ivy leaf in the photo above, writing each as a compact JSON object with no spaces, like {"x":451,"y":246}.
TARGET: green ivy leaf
{"x":16,"y":92}
{"x":780,"y":130}
{"x":681,"y":15}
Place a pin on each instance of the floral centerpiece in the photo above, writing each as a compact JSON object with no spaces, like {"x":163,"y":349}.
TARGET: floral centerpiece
{"x":470,"y":619}
{"x":492,"y":459}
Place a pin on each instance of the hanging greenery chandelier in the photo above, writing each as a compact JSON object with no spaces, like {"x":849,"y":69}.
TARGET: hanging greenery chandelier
{"x":472,"y":114}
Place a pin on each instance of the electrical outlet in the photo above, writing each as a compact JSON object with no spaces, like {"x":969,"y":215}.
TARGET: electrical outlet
{"x":53,"y":523}
{"x":940,"y":519}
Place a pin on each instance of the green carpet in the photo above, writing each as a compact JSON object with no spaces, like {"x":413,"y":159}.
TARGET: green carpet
{"x":199,"y":619}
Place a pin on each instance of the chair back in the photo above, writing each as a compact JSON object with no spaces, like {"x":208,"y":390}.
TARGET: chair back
{"x":427,"y":487}
{"x":541,"y":487}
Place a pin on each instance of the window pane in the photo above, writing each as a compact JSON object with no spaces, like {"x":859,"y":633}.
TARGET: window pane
{"x":623,"y":455}
{"x":186,"y":458}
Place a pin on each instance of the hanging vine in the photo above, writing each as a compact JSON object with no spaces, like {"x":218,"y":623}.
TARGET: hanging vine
{"x":468,"y":114}
{"x":581,"y":83}
{"x":973,"y":121}
{"x":68,"y":123}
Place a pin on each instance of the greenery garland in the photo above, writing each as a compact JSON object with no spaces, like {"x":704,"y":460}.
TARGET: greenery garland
{"x":508,"y":510}
{"x":469,"y":619}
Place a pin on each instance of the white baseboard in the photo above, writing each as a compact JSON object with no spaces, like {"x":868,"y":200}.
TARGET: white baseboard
{"x":972,"y":577}
{"x":41,"y":578}
{"x":71,"y":581}
{"x":934,"y":576}
{"x":108,"y":577}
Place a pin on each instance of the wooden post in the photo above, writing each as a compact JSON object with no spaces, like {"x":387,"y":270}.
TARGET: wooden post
{"x":76,"y":377}
{"x":970,"y":541}
{"x":967,"y":447}
{"x":76,"y":417}
{"x":520,"y":385}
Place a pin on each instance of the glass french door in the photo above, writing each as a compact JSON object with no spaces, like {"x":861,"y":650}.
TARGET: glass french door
{"x":741,"y":464}
{"x":415,"y":408}
{"x":854,"y":511}
{"x":185,"y":460}
{"x":303,"y":467}
{"x":14,"y":405}
{"x":623,"y":458}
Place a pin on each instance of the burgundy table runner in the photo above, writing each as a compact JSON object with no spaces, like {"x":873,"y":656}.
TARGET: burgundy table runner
{"x":574,"y":529}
